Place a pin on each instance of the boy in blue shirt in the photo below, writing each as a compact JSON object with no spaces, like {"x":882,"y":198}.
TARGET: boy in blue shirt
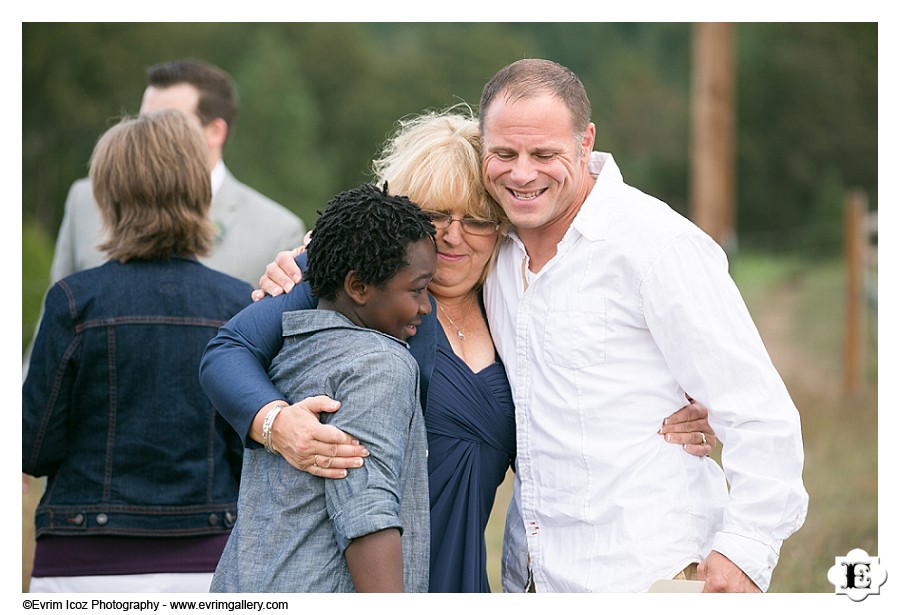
{"x":371,"y":257}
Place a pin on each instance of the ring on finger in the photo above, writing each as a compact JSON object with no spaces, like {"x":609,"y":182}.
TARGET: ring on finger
{"x":315,"y":460}
{"x":702,"y":438}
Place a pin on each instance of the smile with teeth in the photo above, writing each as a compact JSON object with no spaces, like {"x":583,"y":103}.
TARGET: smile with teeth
{"x":527,"y":196}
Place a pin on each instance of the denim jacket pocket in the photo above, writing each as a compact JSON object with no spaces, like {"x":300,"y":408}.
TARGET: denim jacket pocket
{"x":575,"y":331}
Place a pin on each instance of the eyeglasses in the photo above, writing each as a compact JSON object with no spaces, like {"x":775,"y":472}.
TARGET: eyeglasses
{"x":473,"y":226}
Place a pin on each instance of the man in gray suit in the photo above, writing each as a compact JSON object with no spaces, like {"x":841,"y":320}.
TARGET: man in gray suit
{"x":251,"y":227}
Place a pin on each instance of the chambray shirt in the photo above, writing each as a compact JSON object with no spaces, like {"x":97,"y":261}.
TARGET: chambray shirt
{"x":292,"y":527}
{"x":636,"y":308}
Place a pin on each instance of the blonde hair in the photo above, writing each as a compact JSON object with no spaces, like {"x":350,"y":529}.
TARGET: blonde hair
{"x":151,"y":181}
{"x":434,"y":159}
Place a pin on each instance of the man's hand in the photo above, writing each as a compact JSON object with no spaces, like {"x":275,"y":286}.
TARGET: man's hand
{"x":690,"y":428}
{"x":281,"y":275}
{"x":722,"y":575}
{"x":305,"y":443}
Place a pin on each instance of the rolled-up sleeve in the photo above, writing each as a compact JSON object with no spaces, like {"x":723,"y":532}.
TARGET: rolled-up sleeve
{"x":378,"y":399}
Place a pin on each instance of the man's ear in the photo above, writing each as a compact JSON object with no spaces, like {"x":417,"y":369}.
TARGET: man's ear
{"x":216,"y":133}
{"x":357,"y":290}
{"x":587,"y":140}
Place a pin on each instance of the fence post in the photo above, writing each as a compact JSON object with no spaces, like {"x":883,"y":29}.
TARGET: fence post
{"x":855,"y":245}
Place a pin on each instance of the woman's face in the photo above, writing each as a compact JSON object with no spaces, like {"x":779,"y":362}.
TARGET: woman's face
{"x":461,"y":256}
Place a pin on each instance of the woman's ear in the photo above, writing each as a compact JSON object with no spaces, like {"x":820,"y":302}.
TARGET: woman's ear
{"x":356,"y":289}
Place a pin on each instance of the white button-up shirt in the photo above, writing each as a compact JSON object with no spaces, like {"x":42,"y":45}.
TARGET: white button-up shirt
{"x":600,"y":345}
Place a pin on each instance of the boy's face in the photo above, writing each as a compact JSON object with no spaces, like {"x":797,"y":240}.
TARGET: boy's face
{"x":396,"y":307}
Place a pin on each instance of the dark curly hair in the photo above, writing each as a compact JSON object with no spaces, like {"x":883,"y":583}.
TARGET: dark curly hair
{"x":365,"y":230}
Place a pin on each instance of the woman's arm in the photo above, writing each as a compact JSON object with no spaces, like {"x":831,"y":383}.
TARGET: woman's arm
{"x":47,"y":388}
{"x":233,"y":375}
{"x":690,"y":428}
{"x":281,"y":275}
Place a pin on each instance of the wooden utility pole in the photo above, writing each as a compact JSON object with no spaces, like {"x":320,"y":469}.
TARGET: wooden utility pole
{"x":712,"y":185}
{"x":856,"y":242}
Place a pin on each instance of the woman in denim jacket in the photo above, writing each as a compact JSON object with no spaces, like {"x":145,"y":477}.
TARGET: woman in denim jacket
{"x":142,"y":473}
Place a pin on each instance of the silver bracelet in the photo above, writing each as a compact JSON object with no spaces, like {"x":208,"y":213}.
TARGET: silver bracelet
{"x":267,"y":426}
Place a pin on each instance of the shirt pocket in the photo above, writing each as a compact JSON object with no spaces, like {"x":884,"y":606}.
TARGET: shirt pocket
{"x":575,"y":331}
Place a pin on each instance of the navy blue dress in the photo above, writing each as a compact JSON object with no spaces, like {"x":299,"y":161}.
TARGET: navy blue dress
{"x":471,"y":423}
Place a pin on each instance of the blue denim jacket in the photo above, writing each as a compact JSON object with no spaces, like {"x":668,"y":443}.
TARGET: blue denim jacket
{"x":294,"y":527}
{"x":112,"y":409}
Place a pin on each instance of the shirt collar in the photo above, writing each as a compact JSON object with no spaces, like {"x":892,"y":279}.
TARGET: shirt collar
{"x":593,"y":218}
{"x":218,"y":176}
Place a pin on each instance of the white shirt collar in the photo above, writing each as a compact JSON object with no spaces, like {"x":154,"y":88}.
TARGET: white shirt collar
{"x":218,"y":176}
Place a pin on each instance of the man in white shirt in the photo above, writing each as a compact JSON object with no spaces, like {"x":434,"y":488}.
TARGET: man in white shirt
{"x":594,"y":309}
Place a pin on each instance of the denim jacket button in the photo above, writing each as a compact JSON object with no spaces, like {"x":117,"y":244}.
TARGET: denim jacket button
{"x":102,"y":519}
{"x":229,"y":518}
{"x":78,"y":519}
{"x":213,"y":519}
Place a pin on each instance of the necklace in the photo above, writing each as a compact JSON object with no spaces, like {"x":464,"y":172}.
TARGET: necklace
{"x":459,"y":333}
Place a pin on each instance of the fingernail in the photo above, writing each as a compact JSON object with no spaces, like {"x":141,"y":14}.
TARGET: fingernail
{"x":365,"y":452}
{"x":297,"y":279}
{"x":289,"y":286}
{"x":358,"y":463}
{"x":668,"y":437}
{"x":665,"y":421}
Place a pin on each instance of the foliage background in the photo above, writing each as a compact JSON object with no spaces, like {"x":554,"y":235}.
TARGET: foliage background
{"x":318,"y":99}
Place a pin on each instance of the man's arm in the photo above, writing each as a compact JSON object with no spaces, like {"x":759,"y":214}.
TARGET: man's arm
{"x":715,"y":352}
{"x":722,"y":575}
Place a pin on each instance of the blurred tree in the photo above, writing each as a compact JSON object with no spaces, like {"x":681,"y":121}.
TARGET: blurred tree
{"x":807,"y":113}
{"x":278,"y":138}
{"x":319,"y":98}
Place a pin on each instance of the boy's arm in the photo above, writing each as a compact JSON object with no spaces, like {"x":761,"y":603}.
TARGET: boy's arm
{"x":375,"y":562}
{"x":379,"y":396}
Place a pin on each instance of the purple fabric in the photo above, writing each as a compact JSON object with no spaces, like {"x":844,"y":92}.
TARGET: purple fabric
{"x":68,"y":556}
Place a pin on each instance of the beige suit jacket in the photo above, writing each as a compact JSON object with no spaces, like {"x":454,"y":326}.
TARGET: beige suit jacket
{"x":252,"y":229}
